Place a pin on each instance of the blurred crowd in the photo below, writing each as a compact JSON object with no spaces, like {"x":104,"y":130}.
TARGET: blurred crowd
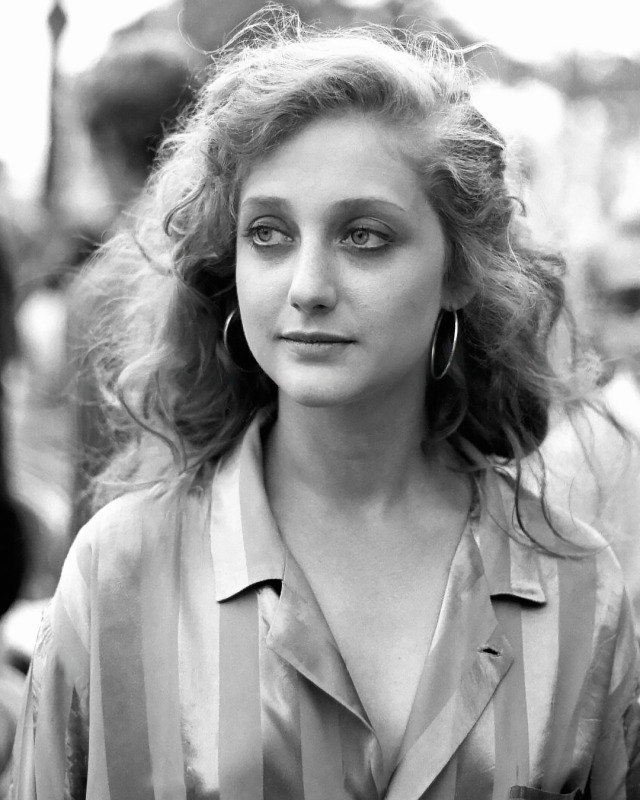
{"x":112,"y":120}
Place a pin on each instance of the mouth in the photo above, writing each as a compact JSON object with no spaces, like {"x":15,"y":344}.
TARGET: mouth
{"x":314,"y":337}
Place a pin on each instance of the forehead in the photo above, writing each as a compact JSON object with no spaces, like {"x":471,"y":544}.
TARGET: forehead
{"x":336,"y":153}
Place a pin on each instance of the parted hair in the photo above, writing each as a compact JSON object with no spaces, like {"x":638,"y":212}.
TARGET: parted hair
{"x":168,"y":281}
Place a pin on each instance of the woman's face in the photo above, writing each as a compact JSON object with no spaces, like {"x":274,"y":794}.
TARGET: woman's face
{"x":340,"y":265}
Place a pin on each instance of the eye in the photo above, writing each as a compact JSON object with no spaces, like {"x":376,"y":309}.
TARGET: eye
{"x":263,"y":235}
{"x":364,"y":238}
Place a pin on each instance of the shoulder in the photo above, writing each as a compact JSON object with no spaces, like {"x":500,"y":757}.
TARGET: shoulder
{"x":553,"y":526}
{"x":115,"y":543}
{"x":564,"y":545}
{"x":549,"y":525}
{"x":590,"y":447}
{"x":581,"y":593}
{"x":125,"y":522}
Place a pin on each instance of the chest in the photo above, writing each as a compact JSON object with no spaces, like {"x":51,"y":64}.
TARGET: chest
{"x":382,"y":610}
{"x":254,"y":696}
{"x":384,"y":642}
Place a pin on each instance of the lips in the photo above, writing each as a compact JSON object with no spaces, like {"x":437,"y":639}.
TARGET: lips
{"x":315,"y":337}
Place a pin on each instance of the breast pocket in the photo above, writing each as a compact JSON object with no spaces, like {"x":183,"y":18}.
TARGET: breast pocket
{"x":527,"y":793}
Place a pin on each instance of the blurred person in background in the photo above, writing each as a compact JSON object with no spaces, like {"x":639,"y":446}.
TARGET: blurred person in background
{"x":12,"y":539}
{"x":55,"y":436}
{"x":129,"y":100}
{"x":14,"y":546}
{"x":38,"y":405}
{"x":8,"y":347}
{"x":333,"y":320}
{"x":594,"y":466}
{"x":14,"y":549}
{"x":33,"y":433}
{"x":612,"y":273}
{"x":13,"y":567}
{"x":22,"y":510}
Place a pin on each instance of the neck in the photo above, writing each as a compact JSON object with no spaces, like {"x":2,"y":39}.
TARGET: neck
{"x":348,"y":454}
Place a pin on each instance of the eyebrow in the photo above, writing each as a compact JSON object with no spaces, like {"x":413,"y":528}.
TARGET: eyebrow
{"x":349,"y":204}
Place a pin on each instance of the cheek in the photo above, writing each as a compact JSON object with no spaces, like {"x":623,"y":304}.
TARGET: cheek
{"x":415,"y":307}
{"x":251,"y":312}
{"x":405,"y":324}
{"x":258,"y":310}
{"x":247,"y":303}
{"x":249,"y":285}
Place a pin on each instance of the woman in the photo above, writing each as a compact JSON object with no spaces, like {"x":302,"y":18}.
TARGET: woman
{"x":335,"y":592}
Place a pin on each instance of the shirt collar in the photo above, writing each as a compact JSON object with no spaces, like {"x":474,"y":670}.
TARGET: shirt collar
{"x":247,"y":547}
{"x":512,"y":562}
{"x":245,"y":542}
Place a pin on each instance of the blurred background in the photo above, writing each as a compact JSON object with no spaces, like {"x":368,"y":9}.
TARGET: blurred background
{"x":87,"y":89}
{"x":561,"y":76}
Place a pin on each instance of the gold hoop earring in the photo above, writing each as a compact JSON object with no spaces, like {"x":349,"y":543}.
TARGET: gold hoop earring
{"x":434,"y":341}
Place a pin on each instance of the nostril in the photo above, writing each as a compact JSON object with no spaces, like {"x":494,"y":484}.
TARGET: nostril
{"x":489,"y":650}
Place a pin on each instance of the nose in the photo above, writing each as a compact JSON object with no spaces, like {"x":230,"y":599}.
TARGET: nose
{"x":313,"y":282}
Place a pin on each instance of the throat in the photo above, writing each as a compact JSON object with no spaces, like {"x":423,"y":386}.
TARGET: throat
{"x":344,"y":454}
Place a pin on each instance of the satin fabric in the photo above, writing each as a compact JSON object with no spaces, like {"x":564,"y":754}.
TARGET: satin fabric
{"x":184,"y":655}
{"x":595,"y":472}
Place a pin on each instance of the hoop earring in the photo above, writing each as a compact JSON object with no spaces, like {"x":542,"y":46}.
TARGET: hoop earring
{"x":225,"y":342}
{"x":434,"y":340}
{"x":225,"y":332}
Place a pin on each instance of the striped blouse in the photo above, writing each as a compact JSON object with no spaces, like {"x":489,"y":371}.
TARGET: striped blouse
{"x":185,"y":657}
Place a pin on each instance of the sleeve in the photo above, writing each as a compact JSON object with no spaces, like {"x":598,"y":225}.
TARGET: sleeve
{"x":11,"y":690}
{"x":615,"y":773}
{"x":51,"y":747}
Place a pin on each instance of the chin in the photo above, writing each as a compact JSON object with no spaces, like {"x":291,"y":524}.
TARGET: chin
{"x":320,"y":394}
{"x":312,"y":386}
{"x":317,"y":398}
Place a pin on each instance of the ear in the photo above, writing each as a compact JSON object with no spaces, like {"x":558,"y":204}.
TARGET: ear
{"x":456,"y":295}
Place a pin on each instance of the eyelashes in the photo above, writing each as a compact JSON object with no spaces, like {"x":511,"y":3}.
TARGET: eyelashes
{"x":265,"y":235}
{"x":365,"y":238}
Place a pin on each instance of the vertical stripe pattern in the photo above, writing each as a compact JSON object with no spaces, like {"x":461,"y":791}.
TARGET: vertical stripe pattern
{"x":240,"y":740}
{"x":159,"y":606}
{"x":124,"y":713}
{"x":198,"y":659}
{"x":194,"y":652}
{"x":320,"y":733}
{"x":574,"y":657}
{"x":511,"y":714}
{"x":53,"y":716}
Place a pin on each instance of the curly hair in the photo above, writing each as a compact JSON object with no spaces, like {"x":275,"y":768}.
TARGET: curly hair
{"x":172,"y":277}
